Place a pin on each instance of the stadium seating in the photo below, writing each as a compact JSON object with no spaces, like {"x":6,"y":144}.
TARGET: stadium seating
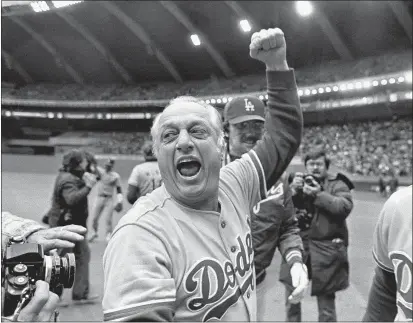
{"x":329,"y":72}
{"x":366,"y":148}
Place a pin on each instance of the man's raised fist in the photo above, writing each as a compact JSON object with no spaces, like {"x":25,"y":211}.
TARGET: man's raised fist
{"x":269,"y":47}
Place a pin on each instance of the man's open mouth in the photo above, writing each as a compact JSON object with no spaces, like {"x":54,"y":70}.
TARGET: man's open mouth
{"x":188,"y":167}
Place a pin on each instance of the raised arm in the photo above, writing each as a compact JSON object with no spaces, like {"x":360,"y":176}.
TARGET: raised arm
{"x":284,"y":120}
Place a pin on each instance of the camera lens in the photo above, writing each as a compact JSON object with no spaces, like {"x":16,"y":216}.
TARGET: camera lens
{"x":68,"y":270}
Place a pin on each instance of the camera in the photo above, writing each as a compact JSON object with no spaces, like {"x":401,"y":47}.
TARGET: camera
{"x":308,"y":179}
{"x":25,"y":263}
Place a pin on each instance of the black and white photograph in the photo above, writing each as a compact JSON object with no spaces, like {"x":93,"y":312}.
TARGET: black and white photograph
{"x":205,"y":161}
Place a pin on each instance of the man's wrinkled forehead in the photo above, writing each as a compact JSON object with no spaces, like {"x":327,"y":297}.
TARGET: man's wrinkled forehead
{"x":182,"y":112}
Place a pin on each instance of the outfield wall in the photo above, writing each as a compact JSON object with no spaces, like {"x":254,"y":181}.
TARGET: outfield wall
{"x":125,"y":164}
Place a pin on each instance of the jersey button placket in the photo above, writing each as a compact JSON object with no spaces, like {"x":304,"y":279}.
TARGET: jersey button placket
{"x":233,"y":249}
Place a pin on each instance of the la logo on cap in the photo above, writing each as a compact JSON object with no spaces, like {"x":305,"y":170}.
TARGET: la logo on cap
{"x":249,"y":106}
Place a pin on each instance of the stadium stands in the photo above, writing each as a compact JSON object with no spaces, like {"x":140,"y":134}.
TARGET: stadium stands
{"x":328,"y":72}
{"x":366,"y":148}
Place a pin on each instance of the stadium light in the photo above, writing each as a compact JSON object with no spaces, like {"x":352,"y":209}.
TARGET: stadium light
{"x":307,"y":92}
{"x":218,"y":100}
{"x":61,"y":4}
{"x":245,"y":25}
{"x":261,"y":97}
{"x":366,"y":84}
{"x":343,"y":87}
{"x":375,"y":83}
{"x":320,"y":90}
{"x":359,"y":85}
{"x":328,"y":89}
{"x":313,"y":91}
{"x":400,"y":79}
{"x":50,"y":115}
{"x":266,"y":97}
{"x":100,"y":116}
{"x":224,"y":100}
{"x":108,"y":116}
{"x":229,"y":99}
{"x":300,"y":92}
{"x":213,"y":101}
{"x":350,"y":86}
{"x":383,"y":82}
{"x":8,"y":114}
{"x":393,"y":97}
{"x":335,"y":88}
{"x":195,"y":40}
{"x":60,"y":115}
{"x":304,"y":8}
{"x":39,"y":6}
{"x":408,"y":77}
{"x":207,"y":101}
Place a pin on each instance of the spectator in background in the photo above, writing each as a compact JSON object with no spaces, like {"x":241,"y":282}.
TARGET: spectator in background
{"x":104,"y":205}
{"x":145,"y":177}
{"x":323,"y":201}
{"x":272,"y":220}
{"x":70,"y":206}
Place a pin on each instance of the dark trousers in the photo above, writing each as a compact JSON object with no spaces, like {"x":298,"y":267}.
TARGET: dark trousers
{"x":326,"y":308}
{"x":82,"y":255}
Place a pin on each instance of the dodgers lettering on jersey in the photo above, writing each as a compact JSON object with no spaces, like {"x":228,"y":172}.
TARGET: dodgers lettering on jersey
{"x":392,"y":247}
{"x":166,"y":261}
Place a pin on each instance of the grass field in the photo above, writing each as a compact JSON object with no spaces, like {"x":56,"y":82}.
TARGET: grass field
{"x":27,"y":194}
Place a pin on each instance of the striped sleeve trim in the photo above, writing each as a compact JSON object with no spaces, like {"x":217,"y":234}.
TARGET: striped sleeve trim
{"x":293,"y":254}
{"x":260,"y":171}
{"x":133,"y":311}
{"x":380,"y":264}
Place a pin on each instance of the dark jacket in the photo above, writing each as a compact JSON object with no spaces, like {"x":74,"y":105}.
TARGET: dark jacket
{"x":327,"y":239}
{"x":273,"y":225}
{"x":69,"y":201}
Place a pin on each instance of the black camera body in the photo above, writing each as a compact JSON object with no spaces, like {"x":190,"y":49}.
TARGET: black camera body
{"x":25,"y":263}
{"x":308,"y":179}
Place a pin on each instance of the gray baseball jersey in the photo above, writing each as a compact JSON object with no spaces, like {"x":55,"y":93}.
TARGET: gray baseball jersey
{"x":146,"y":177}
{"x":392,"y":247}
{"x":182,"y":264}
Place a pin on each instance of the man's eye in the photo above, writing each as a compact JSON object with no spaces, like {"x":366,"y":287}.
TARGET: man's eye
{"x":198,"y":131}
{"x":168,"y":135}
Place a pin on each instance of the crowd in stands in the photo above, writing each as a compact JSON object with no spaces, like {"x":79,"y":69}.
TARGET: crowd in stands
{"x":366,"y":148}
{"x":327,"y":72}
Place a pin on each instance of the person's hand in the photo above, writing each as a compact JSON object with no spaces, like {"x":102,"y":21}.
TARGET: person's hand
{"x":269,"y":47}
{"x":89,"y":179}
{"x":299,"y":277}
{"x":297,"y":183}
{"x":41,"y":307}
{"x":312,"y":190}
{"x":60,"y":237}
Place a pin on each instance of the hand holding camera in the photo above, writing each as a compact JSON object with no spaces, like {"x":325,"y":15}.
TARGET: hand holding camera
{"x":297,"y":184}
{"x":25,"y":268}
{"x":59,"y":237}
{"x":90,"y":179}
{"x":311,"y":186}
{"x":41,"y":308}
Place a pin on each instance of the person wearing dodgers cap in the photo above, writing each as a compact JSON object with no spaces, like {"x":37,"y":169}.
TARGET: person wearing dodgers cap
{"x":244,"y":118}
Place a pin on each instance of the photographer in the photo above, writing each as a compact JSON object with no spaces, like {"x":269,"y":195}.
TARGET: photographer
{"x":322,"y":201}
{"x":43,"y":304}
{"x":70,"y":206}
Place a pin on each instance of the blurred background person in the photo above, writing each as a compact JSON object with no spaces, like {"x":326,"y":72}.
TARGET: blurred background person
{"x":322,"y":201}
{"x":145,"y":177}
{"x":70,"y":206}
{"x":104,"y":203}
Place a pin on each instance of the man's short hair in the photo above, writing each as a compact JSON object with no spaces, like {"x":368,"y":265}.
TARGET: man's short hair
{"x":315,"y":154}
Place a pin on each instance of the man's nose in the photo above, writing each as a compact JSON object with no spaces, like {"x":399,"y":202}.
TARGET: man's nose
{"x":184,"y":143}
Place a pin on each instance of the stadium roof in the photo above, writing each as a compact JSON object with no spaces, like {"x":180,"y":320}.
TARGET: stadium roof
{"x":150,"y":41}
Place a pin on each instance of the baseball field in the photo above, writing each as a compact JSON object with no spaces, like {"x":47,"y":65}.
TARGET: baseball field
{"x":27,"y":183}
